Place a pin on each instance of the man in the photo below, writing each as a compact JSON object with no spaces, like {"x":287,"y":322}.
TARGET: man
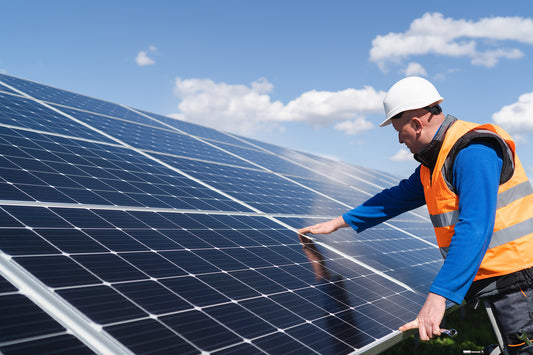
{"x":480,"y":203}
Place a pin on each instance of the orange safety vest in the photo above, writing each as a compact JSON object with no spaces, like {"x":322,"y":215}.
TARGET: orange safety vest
{"x":510,"y":248}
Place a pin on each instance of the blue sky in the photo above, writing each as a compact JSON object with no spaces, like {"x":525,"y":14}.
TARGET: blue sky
{"x":308,"y":75}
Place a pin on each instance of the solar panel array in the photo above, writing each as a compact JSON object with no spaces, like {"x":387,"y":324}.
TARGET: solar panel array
{"x":124,"y":231}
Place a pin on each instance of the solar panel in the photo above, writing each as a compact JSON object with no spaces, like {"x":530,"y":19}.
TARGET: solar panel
{"x":125,"y":231}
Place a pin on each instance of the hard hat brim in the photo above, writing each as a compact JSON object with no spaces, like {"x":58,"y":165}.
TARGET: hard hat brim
{"x":387,"y":122}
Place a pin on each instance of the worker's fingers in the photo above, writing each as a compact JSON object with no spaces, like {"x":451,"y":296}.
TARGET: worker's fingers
{"x":411,"y":325}
{"x":304,"y":230}
{"x":316,"y":229}
{"x":425,"y":334}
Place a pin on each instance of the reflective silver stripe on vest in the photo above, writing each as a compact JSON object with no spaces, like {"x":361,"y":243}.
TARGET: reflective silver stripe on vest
{"x":521,"y":190}
{"x":503,"y":236}
{"x":511,"y":233}
{"x":504,"y":198}
{"x":444,"y":219}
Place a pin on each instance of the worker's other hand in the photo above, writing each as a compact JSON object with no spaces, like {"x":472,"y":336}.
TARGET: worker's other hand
{"x":429,"y":318}
{"x":325,"y":227}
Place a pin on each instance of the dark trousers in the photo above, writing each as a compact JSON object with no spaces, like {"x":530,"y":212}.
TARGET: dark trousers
{"x":514,"y":313}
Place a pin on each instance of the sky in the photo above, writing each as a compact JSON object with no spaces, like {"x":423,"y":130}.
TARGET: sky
{"x":308,"y":75}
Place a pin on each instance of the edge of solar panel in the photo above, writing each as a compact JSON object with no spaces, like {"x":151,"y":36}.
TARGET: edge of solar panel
{"x":267,"y":219}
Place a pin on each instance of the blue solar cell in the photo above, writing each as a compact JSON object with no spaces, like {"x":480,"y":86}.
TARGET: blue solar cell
{"x":229,"y":286}
{"x":300,"y":305}
{"x":189,"y":261}
{"x":55,"y":344}
{"x":153,"y":264}
{"x":21,"y":241}
{"x":153,"y":239}
{"x":70,"y":240}
{"x":240,"y":320}
{"x":6,"y":286}
{"x":281,"y":343}
{"x":321,"y":341}
{"x":46,"y":269}
{"x":153,"y":297}
{"x":194,"y":291}
{"x":110,"y":267}
{"x":37,"y":216}
{"x":102,"y":304}
{"x":258,"y":282}
{"x":20,"y":318}
{"x":201,"y":330}
{"x":156,"y":338}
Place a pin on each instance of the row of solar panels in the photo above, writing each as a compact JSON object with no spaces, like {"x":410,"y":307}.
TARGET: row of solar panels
{"x":126,"y":231}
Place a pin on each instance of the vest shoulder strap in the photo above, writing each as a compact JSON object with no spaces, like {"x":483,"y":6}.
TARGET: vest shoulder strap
{"x":479,"y":135}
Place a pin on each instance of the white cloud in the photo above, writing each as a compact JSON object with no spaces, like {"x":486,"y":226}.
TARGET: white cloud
{"x":356,"y":126}
{"x":516,"y":117}
{"x":415,"y":69}
{"x":246,"y":109}
{"x":402,"y":155}
{"x":434,"y":34}
{"x":143,"y":57}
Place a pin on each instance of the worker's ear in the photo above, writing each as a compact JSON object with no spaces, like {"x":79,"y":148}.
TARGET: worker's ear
{"x":416,"y":124}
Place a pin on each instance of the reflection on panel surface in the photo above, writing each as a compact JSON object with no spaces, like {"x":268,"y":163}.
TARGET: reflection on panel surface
{"x":156,"y":235}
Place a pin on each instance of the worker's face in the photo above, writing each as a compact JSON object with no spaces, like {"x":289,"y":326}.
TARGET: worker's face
{"x":409,"y":128}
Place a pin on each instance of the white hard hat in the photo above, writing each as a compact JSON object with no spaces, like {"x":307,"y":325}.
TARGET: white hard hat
{"x":408,"y":94}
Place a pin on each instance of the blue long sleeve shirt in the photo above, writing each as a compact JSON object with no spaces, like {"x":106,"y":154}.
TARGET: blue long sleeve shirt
{"x":476,"y":177}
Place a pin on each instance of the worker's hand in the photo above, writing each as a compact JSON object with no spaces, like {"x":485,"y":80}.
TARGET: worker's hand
{"x":429,"y":318}
{"x":325,"y":227}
